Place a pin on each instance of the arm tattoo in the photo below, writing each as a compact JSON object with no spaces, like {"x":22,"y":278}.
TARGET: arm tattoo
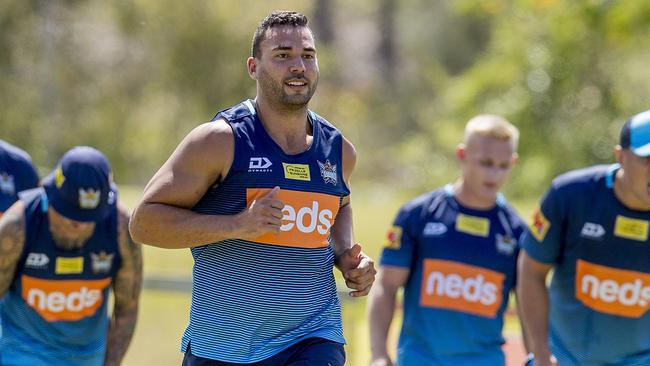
{"x":127,"y":284}
{"x":12,"y":241}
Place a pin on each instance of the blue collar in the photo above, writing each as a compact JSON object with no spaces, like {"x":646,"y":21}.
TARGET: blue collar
{"x":611,"y":175}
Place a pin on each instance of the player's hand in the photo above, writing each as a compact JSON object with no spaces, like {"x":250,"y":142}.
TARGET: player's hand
{"x":358,"y":270}
{"x":381,"y":361}
{"x":262,"y":216}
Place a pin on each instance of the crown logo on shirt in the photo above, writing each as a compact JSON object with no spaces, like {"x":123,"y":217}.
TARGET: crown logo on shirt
{"x":7,"y":185}
{"x":101,"y":262}
{"x":89,"y":199}
{"x":59,"y":178}
{"x":328,"y":172}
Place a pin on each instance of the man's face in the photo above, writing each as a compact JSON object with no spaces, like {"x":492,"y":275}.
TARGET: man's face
{"x":636,"y":171}
{"x":69,"y":234}
{"x":485,"y":164}
{"x":287,"y":70}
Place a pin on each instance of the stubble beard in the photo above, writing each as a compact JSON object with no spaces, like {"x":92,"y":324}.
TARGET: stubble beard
{"x":274,"y":91}
{"x":67,"y":243}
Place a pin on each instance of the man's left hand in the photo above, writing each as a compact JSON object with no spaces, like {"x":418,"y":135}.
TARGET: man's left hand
{"x":358,"y":270}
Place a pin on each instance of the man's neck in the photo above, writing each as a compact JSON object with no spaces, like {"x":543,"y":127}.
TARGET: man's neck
{"x":290,"y":129}
{"x":625,"y":195}
{"x":68,"y":245}
{"x":469,"y":199}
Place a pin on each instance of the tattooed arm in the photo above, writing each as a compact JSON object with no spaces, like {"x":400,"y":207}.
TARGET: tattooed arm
{"x":126,"y":288}
{"x":12,"y":240}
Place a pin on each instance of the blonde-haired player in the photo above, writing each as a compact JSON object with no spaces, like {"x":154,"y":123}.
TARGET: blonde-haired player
{"x":454,"y":250}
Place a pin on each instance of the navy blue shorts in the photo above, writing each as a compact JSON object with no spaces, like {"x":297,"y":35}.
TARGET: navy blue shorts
{"x":308,"y":352}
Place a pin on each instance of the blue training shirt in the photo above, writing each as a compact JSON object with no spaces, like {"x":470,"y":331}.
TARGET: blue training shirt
{"x":600,"y":291}
{"x":16,"y":174}
{"x":253,"y":299}
{"x":55,"y":311}
{"x":462,"y":269}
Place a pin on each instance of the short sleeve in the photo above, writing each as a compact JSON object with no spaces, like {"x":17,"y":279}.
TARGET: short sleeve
{"x":400,"y":242}
{"x":543,"y":238}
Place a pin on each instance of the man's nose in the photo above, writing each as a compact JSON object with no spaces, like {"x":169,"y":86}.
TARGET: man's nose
{"x":297,"y":65}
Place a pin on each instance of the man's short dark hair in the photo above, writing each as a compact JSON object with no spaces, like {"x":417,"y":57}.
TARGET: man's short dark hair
{"x":276,"y":18}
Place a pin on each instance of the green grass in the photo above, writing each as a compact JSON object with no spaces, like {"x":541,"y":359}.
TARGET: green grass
{"x":163,"y":315}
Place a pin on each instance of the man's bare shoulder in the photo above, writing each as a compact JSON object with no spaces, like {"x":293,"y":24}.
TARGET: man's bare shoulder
{"x":348,"y":148}
{"x":212,"y":134}
{"x":349,"y":156}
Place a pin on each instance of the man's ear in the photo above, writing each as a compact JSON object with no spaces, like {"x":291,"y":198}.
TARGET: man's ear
{"x":618,"y":153}
{"x":251,"y":66}
{"x":515,"y":158}
{"x":460,"y":151}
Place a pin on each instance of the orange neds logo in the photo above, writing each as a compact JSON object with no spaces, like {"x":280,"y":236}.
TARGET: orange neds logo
{"x":612,"y":290}
{"x":307,"y":217}
{"x":461,"y":287}
{"x":63,"y":300}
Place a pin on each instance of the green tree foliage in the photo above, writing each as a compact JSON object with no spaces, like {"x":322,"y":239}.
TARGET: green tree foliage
{"x":400,"y":78}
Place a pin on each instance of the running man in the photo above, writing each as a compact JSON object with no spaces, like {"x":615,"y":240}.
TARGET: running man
{"x":261,"y":196}
{"x":62,"y":248}
{"x":592,"y":230}
{"x":454,"y":250}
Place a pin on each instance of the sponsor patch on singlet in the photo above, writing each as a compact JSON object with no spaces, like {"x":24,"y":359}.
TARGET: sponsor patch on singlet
{"x":307,"y":217}
{"x":393,"y":238}
{"x":612,"y":290}
{"x":478,"y":226}
{"x":296,"y":171}
{"x":539,"y":225}
{"x":630,"y":228}
{"x":63,"y":300}
{"x":461,"y":287}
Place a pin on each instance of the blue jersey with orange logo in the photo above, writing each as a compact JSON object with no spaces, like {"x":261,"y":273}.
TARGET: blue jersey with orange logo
{"x":55,"y":311}
{"x":600,"y":291}
{"x":462,"y":268}
{"x":16,"y":174}
{"x":253,"y":299}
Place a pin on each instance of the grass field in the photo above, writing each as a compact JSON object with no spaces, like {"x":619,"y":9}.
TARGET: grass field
{"x":163,"y":314}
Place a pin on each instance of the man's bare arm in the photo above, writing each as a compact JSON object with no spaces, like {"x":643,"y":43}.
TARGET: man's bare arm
{"x":127,"y":285}
{"x":357,"y":268}
{"x":164,"y":217}
{"x":381,"y":308}
{"x":342,"y":230}
{"x":12,"y":241}
{"x":532,"y":296}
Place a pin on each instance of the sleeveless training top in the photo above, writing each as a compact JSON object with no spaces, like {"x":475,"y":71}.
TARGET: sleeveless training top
{"x":253,"y":299}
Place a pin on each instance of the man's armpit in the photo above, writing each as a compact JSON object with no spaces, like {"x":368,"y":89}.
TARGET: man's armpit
{"x":345,"y":200}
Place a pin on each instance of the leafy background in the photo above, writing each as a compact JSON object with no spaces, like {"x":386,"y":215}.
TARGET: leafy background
{"x":399,"y":77}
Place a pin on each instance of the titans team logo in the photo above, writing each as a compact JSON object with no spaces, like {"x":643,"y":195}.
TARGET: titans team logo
{"x":101,"y":262}
{"x":505,"y":244}
{"x":89,"y":199}
{"x":328,"y":172}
